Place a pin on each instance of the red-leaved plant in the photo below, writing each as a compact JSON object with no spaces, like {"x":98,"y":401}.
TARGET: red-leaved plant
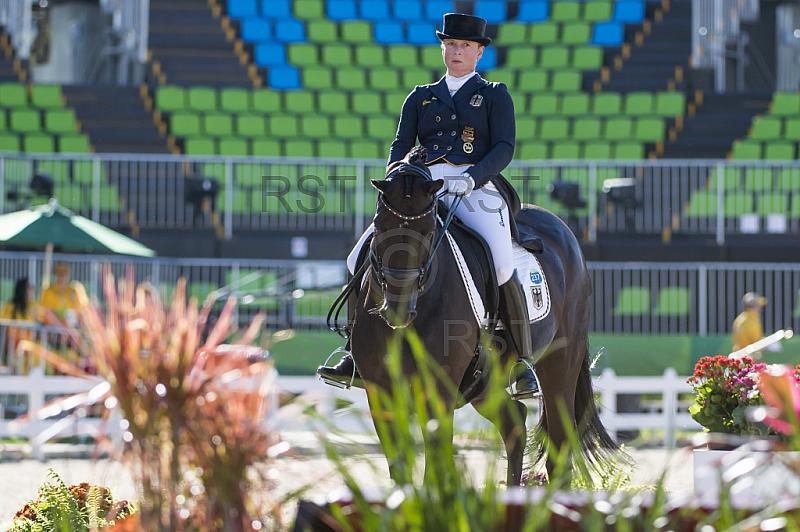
{"x":194,"y":408}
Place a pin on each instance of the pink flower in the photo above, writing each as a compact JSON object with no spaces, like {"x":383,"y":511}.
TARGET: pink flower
{"x":779,"y":389}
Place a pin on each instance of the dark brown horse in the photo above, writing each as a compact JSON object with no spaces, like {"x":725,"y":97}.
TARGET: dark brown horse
{"x":413,"y":280}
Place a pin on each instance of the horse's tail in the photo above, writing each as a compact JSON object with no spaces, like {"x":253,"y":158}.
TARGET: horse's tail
{"x":594,"y":437}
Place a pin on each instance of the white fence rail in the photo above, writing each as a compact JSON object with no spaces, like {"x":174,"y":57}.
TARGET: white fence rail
{"x":668,"y":415}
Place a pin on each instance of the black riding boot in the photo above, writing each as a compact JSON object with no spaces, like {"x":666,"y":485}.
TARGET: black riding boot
{"x":514,"y":313}
{"x":344,"y":374}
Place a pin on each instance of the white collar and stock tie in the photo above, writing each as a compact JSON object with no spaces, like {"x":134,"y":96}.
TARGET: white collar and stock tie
{"x":453,"y":83}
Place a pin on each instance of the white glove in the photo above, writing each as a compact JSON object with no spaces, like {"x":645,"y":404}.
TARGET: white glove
{"x":460,"y":185}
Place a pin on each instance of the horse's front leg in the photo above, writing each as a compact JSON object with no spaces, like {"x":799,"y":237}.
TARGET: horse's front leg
{"x":510,"y":423}
{"x":400,"y":470}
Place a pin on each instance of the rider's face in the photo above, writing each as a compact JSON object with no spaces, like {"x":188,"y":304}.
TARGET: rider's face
{"x":461,"y":57}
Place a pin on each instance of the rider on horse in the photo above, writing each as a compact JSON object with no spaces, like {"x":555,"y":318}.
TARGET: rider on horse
{"x":467,"y":126}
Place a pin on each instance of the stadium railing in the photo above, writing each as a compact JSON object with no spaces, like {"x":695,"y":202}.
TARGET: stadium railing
{"x":698,"y":299}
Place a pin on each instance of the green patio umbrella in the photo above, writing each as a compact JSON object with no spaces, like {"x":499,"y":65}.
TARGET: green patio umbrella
{"x":51,"y":225}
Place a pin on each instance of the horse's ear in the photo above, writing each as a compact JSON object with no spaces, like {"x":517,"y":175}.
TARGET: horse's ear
{"x":432,"y":187}
{"x":381,"y":184}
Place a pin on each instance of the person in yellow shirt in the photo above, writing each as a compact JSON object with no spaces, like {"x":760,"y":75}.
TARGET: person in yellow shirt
{"x":20,"y":308}
{"x":60,"y":298}
{"x":747,"y":327}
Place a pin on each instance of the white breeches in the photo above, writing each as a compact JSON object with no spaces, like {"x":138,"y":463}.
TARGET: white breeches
{"x":484,"y":211}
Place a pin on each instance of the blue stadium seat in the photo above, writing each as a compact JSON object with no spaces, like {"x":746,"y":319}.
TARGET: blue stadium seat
{"x":284,"y":77}
{"x":256,"y":29}
{"x":270,"y":54}
{"x":435,"y":9}
{"x":374,"y":9}
{"x":242,"y":8}
{"x":341,"y":10}
{"x":276,"y":9}
{"x":290,"y":30}
{"x":489,"y":59}
{"x":421,"y":33}
{"x":607,"y":34}
{"x":629,"y":11}
{"x":494,"y":11}
{"x":389,"y":32}
{"x":533,"y":11}
{"x":407,"y":10}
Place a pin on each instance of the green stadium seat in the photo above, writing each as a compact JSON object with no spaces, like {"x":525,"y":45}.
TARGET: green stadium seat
{"x":555,"y":57}
{"x":9,"y":142}
{"x":533,"y":151}
{"x":505,"y":75}
{"x":772,"y":204}
{"x":565,"y":11}
{"x":382,"y":128}
{"x":266,"y":100}
{"x":298,"y":148}
{"x":791,"y":129}
{"x":367,"y":149}
{"x":597,"y":150}
{"x":199,"y":146}
{"x":171,"y":98}
{"x":69,"y":195}
{"x":233,"y":147}
{"x":74,"y":144}
{"x":632,"y":301}
{"x":566,"y":151}
{"x":757,"y":179}
{"x":574,"y":104}
{"x":586,"y":128}
{"x":109,"y":199}
{"x":794,"y":206}
{"x":46,"y":96}
{"x":526,"y":128}
{"x":673,"y":301}
{"x":512,"y":33}
{"x":607,"y":104}
{"x":249,"y":174}
{"x":731,"y":180}
{"x":300,"y":102}
{"x":315,"y":126}
{"x":670,"y":104}
{"x":308,"y":9}
{"x":356,"y":32}
{"x":235,"y":100}
{"x":587,"y":58}
{"x":350,"y":78}
{"x":332,"y":148}
{"x":534,"y":80}
{"x":322,"y":31}
{"x":639,"y":103}
{"x":38,"y":143}
{"x":412,"y":76}
{"x":371,"y":55}
{"x":554,"y":129}
{"x":431,"y":57}
{"x":56,"y":169}
{"x":785,"y":104}
{"x":3,"y":120}
{"x":779,"y":151}
{"x":185,"y":124}
{"x":200,"y":290}
{"x":628,"y":150}
{"x":348,"y":127}
{"x":332,"y":101}
{"x":202,"y":99}
{"x":402,"y":55}
{"x":60,"y":121}
{"x":649,"y":129}
{"x":13,"y":95}
{"x":251,"y":125}
{"x":25,"y":120}
{"x":336,"y":55}
{"x":393,"y":101}
{"x":737,"y":203}
{"x":619,"y":128}
{"x":545,"y":33}
{"x":576,"y":33}
{"x":303,"y":54}
{"x":766,"y":128}
{"x":789,"y":180}
{"x":317,"y":77}
{"x":597,"y":10}
{"x":218,"y":124}
{"x":746,"y":150}
{"x":384,"y":78}
{"x":566,"y":81}
{"x":369,"y":103}
{"x":521,"y":57}
{"x":545,"y":104}
{"x":284,"y":125}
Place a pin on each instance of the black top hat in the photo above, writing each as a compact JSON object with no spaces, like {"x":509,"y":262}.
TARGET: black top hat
{"x":465,"y":28}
